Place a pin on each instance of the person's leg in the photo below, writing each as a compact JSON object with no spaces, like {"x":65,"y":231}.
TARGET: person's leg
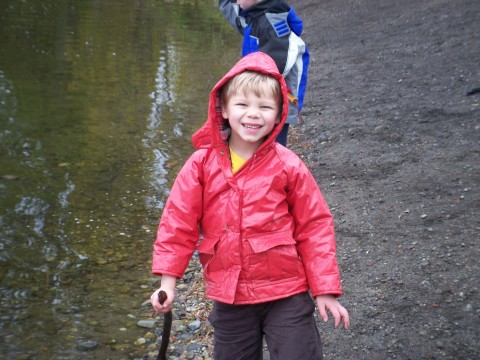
{"x":290,"y":329}
{"x":282,"y":137}
{"x":237,"y":332}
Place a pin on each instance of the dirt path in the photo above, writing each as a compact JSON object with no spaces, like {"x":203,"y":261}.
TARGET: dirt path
{"x":393,"y":140}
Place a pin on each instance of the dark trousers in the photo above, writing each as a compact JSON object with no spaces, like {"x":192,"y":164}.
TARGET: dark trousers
{"x":282,"y":137}
{"x":288,"y":326}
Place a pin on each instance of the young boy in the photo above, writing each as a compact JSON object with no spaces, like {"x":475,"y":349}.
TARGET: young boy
{"x":259,"y":222}
{"x":272,"y":27}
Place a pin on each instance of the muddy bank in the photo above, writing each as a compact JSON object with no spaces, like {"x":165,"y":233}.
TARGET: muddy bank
{"x":393,"y":140}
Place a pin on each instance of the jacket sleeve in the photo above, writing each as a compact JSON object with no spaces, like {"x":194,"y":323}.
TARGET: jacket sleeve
{"x":314,"y":232}
{"x":178,"y":230}
{"x":231,"y":12}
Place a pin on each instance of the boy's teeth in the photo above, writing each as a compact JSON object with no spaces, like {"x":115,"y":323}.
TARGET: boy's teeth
{"x":252,"y":127}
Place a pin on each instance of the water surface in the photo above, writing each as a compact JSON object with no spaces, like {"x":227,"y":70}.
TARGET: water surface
{"x":98,"y":100}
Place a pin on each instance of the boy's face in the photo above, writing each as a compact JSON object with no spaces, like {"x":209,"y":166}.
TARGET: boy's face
{"x":252,"y":118}
{"x":245,"y":4}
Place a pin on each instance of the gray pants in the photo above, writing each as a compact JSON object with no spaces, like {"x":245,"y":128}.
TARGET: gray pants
{"x":287,"y":324}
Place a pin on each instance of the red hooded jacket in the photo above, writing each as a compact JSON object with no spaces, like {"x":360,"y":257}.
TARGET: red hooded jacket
{"x":263,"y":233}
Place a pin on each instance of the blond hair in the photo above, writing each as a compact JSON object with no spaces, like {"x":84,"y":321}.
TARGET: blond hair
{"x":252,"y":81}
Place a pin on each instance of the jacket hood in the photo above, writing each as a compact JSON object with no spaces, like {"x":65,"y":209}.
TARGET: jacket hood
{"x":272,"y":6}
{"x":216,"y":130}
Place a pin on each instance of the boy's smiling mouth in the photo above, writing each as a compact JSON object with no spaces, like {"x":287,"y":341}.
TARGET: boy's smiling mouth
{"x":251,"y":126}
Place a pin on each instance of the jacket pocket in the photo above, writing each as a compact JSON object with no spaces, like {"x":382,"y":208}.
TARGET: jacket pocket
{"x":207,"y":245}
{"x":274,"y":257}
{"x":213,"y":268}
{"x":207,"y":248}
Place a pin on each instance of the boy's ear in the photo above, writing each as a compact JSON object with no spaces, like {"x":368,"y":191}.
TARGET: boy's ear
{"x":224,"y":113}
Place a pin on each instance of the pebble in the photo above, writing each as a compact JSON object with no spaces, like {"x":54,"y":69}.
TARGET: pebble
{"x":181,"y":328}
{"x":194,"y":325}
{"x":140,"y":341}
{"x":87,"y":345}
{"x":147,"y":323}
{"x":194,"y":347}
{"x":150,"y":336}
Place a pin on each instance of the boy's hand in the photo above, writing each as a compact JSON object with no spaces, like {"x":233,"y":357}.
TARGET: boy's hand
{"x":330,"y":303}
{"x":168,"y":285}
{"x":167,"y":305}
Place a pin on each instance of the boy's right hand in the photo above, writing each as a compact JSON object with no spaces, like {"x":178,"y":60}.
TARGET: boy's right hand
{"x":167,"y":305}
{"x":168,"y":285}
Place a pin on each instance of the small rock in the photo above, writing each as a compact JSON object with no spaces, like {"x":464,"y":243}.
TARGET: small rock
{"x":180,"y":328}
{"x":140,"y":341}
{"x":194,"y":325}
{"x":149,"y":336}
{"x":147,"y":323}
{"x":88,"y":345}
{"x":194,"y":347}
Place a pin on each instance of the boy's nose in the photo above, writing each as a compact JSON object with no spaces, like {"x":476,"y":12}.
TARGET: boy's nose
{"x":253,"y":112}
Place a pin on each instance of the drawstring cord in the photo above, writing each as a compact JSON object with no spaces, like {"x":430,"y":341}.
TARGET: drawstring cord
{"x":293,"y":99}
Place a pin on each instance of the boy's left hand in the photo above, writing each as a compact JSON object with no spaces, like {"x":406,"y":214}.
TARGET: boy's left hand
{"x":330,"y":303}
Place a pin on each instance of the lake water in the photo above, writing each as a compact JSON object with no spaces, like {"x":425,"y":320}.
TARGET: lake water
{"x":98,"y":101}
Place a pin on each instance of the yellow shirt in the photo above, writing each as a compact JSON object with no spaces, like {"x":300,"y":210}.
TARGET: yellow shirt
{"x":237,"y":161}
